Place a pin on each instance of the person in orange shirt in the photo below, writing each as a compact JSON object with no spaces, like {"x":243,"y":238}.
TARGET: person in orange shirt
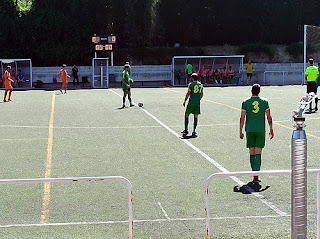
{"x":210,"y":74}
{"x":217,"y":75}
{"x":64,"y":78}
{"x":230,"y":74}
{"x":7,"y":84}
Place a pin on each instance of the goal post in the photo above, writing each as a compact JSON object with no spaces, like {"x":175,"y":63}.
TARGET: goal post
{"x":100,"y":72}
{"x":311,"y":44}
{"x":179,"y":64}
{"x":25,"y":65}
{"x":82,"y":179}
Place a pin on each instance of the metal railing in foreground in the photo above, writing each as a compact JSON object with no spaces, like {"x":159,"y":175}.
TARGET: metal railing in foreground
{"x":81,"y":179}
{"x":252,"y":173}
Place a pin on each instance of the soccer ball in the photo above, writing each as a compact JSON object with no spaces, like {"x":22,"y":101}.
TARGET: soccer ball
{"x":140,"y":104}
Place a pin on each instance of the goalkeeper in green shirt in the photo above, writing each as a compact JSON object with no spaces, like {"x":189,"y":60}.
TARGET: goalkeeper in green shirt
{"x":253,"y":114}
{"x":126,"y":80}
{"x":195,"y":92}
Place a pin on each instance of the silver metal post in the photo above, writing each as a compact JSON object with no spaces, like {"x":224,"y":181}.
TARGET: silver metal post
{"x":299,"y":178}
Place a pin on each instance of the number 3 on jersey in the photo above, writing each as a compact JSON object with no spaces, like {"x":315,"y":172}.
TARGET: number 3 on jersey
{"x":197,"y":88}
{"x":255,"y":107}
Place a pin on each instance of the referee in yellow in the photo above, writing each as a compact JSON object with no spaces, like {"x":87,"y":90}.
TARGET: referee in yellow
{"x":311,"y":76}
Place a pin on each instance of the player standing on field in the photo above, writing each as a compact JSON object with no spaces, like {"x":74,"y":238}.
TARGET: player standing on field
{"x":7,"y":83}
{"x":126,"y":85}
{"x":253,"y":114}
{"x":195,"y":91}
{"x":311,"y":76}
{"x":64,"y":78}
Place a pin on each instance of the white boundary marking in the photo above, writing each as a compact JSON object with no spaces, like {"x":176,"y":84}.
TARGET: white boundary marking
{"x":164,"y":212}
{"x":128,"y":127}
{"x":219,"y":166}
{"x":137,"y":221}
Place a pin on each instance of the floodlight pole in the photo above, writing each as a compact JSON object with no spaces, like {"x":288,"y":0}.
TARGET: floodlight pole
{"x":304,"y":50}
{"x":299,"y":179}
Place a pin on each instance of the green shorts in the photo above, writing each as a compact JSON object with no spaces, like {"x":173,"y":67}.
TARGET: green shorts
{"x":124,"y":88}
{"x":193,"y":109}
{"x":256,"y":139}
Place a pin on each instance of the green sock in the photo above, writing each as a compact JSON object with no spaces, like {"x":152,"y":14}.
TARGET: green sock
{"x":195,"y":123}
{"x":255,"y":161}
{"x":130,"y":101}
{"x":186,"y":122}
{"x":258,"y":162}
{"x":252,"y":162}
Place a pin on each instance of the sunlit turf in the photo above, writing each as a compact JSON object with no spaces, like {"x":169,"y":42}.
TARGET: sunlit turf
{"x":92,"y":137}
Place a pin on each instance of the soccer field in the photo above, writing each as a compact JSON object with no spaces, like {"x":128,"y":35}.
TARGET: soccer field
{"x":84,"y":133}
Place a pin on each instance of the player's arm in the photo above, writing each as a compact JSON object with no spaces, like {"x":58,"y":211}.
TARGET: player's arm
{"x":242,"y":119}
{"x":269,"y":118}
{"x":187,"y":96}
{"x":201,"y":93}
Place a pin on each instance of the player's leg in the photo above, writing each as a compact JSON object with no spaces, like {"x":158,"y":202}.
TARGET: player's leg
{"x":316,"y":99}
{"x":124,"y":99}
{"x":5,"y":95}
{"x":74,"y":81}
{"x":186,"y":122}
{"x":195,"y":123}
{"x":309,"y":90}
{"x":61,"y":88}
{"x":10,"y":91}
{"x":129,"y":98}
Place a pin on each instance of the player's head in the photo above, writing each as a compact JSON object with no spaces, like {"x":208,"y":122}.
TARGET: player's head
{"x":310,"y":61}
{"x":19,"y":70}
{"x":64,"y":66}
{"x":9,"y":68}
{"x":249,"y":61}
{"x":255,"y":89}
{"x":194,"y":77}
{"x":126,"y":67}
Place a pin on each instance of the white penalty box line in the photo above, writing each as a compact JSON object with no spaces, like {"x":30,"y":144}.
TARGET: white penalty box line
{"x":215,"y":163}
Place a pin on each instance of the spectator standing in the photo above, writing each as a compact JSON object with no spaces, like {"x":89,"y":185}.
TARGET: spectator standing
{"x":249,"y":68}
{"x":189,"y":70}
{"x":20,"y":78}
{"x":75,"y":75}
{"x":177,"y":73}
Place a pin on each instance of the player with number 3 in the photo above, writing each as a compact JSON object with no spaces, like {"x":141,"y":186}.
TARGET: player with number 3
{"x":195,"y":91}
{"x":253,"y":114}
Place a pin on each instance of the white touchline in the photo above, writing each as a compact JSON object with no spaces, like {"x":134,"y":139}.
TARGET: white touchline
{"x":136,"y":221}
{"x":220,"y":167}
{"x":164,"y":212}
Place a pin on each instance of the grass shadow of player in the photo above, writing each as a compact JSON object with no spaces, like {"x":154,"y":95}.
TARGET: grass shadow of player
{"x":251,"y":187}
{"x":188,"y":137}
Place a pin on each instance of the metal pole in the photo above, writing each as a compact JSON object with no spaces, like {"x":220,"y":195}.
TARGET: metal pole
{"x":107,"y":72}
{"x":101,"y":75}
{"x":304,"y":48}
{"x":299,"y":180}
{"x":318,"y":205}
{"x":111,"y":56}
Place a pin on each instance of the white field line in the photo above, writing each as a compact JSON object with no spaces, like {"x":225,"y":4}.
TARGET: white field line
{"x":164,"y":212}
{"x":219,"y":166}
{"x":140,"y":221}
{"x":129,"y":127}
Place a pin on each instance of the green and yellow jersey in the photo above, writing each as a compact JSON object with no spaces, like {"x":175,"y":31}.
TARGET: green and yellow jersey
{"x":255,"y":108}
{"x":126,"y":77}
{"x":189,"y":69}
{"x":196,"y":89}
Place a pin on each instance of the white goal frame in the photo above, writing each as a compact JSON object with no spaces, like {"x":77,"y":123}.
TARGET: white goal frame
{"x":98,"y":80}
{"x":241,"y":57}
{"x":252,"y":173}
{"x":81,"y":179}
{"x":15,"y":67}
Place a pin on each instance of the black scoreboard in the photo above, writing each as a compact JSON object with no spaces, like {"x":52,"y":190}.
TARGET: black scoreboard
{"x":104,"y":43}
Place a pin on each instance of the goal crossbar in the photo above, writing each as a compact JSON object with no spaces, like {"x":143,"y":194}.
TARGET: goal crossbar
{"x":252,"y":173}
{"x":81,"y":179}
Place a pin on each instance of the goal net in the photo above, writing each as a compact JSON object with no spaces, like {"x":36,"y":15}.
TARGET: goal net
{"x":100,"y":72}
{"x":311,"y":44}
{"x":206,"y":63}
{"x":17,"y":65}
